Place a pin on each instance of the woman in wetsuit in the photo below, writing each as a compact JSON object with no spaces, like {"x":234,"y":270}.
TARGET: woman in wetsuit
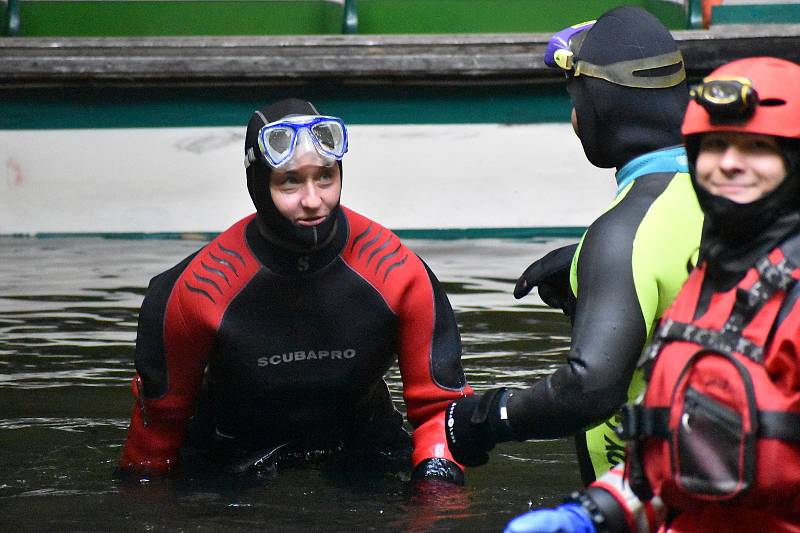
{"x":277,"y":334}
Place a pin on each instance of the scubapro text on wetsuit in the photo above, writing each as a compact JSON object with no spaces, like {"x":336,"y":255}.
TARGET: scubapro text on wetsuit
{"x":293,"y":357}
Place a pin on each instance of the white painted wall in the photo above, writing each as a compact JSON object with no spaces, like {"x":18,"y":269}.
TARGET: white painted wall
{"x":192,"y":179}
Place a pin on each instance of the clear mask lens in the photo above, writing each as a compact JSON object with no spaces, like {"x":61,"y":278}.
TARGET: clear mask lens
{"x":330,"y":136}
{"x":279,"y":143}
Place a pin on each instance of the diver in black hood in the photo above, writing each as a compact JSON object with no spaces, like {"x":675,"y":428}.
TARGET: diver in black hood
{"x":625,"y":75}
{"x":272,"y":340}
{"x":272,"y":225}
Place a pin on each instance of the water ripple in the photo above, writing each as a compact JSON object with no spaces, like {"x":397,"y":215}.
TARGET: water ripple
{"x":67,"y":333}
{"x":72,"y":424}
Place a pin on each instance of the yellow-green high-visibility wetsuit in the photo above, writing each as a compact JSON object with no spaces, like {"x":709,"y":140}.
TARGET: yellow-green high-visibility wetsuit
{"x":630,"y":264}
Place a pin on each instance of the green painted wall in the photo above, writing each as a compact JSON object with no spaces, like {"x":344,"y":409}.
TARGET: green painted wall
{"x":496,"y":16}
{"x":99,"y":107}
{"x":674,"y":16}
{"x":87,"y":18}
{"x":281,"y":17}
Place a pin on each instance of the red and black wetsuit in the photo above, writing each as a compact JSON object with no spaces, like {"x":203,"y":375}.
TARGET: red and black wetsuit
{"x":283,"y":346}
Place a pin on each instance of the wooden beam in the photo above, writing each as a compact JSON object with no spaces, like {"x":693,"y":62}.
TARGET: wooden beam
{"x":423,"y":59}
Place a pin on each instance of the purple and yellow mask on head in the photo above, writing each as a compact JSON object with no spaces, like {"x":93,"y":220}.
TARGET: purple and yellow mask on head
{"x":563,"y":51}
{"x":559,"y":52}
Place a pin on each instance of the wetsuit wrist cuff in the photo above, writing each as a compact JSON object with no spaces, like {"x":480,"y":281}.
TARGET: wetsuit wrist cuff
{"x":503,"y":430}
{"x":603,"y":509}
{"x":438,"y":468}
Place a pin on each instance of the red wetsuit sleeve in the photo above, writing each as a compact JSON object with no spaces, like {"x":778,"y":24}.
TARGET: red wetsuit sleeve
{"x":177,"y":326}
{"x":158,"y":425}
{"x":429,"y":345}
{"x":430,"y":362}
{"x":158,"y":421}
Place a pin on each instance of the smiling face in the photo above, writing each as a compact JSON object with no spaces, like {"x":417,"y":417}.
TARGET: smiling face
{"x":741,"y":167}
{"x":307,"y":194}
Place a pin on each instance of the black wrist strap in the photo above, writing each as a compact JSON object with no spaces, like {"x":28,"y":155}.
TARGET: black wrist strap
{"x":504,"y":432}
{"x":604,"y":511}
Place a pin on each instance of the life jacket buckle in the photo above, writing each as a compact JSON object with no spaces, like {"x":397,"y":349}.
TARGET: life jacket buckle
{"x":629,"y":427}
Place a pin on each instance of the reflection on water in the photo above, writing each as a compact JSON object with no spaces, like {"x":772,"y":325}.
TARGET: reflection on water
{"x":68,"y":312}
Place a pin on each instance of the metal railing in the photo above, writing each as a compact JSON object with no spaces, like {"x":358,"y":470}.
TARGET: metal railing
{"x":11,"y":18}
{"x":350,"y":21}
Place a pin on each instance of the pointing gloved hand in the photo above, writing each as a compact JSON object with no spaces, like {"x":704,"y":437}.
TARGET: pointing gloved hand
{"x":567,"y":518}
{"x":473,"y":426}
{"x":551,"y":275}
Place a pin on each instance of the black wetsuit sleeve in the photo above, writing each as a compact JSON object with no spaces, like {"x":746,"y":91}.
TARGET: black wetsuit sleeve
{"x":151,"y":363}
{"x":607,"y":338}
{"x":446,"y":369}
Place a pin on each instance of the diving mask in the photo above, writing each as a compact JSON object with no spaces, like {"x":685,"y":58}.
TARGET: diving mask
{"x":559,"y":52}
{"x":296,"y":140}
{"x":563,"y":52}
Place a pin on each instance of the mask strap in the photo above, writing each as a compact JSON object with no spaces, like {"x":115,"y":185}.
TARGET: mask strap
{"x":622,"y":73}
{"x":250,"y":155}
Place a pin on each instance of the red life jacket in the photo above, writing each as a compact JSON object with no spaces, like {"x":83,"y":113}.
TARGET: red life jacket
{"x":720,"y":419}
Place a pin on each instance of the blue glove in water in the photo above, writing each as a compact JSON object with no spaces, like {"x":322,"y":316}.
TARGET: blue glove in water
{"x":567,"y":518}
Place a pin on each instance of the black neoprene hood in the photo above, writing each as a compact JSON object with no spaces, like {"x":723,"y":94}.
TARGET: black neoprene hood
{"x":617,"y":123}
{"x":272,"y":224}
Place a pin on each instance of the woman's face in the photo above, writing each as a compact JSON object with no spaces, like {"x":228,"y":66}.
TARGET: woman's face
{"x":307,"y":194}
{"x":741,"y":167}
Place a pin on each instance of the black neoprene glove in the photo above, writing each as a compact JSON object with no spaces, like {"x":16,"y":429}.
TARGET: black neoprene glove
{"x":438,"y":468}
{"x":551,"y":275}
{"x":475,"y":424}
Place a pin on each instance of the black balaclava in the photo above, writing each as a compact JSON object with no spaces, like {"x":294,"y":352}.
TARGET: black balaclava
{"x":736,"y":235}
{"x":616,"y":123}
{"x":271,"y":224}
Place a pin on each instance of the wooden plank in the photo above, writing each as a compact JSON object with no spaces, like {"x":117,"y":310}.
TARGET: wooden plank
{"x":469,"y":58}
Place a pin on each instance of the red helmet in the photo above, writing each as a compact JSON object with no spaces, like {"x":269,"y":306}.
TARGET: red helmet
{"x":754,"y":95}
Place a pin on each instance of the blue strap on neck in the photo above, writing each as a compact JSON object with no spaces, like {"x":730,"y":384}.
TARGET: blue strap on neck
{"x":665,"y":160}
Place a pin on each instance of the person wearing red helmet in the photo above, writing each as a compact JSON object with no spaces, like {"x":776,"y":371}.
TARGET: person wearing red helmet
{"x":270,"y":343}
{"x":714,"y":443}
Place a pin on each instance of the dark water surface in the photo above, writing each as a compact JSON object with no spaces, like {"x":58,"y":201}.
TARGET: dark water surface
{"x":68,"y":312}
